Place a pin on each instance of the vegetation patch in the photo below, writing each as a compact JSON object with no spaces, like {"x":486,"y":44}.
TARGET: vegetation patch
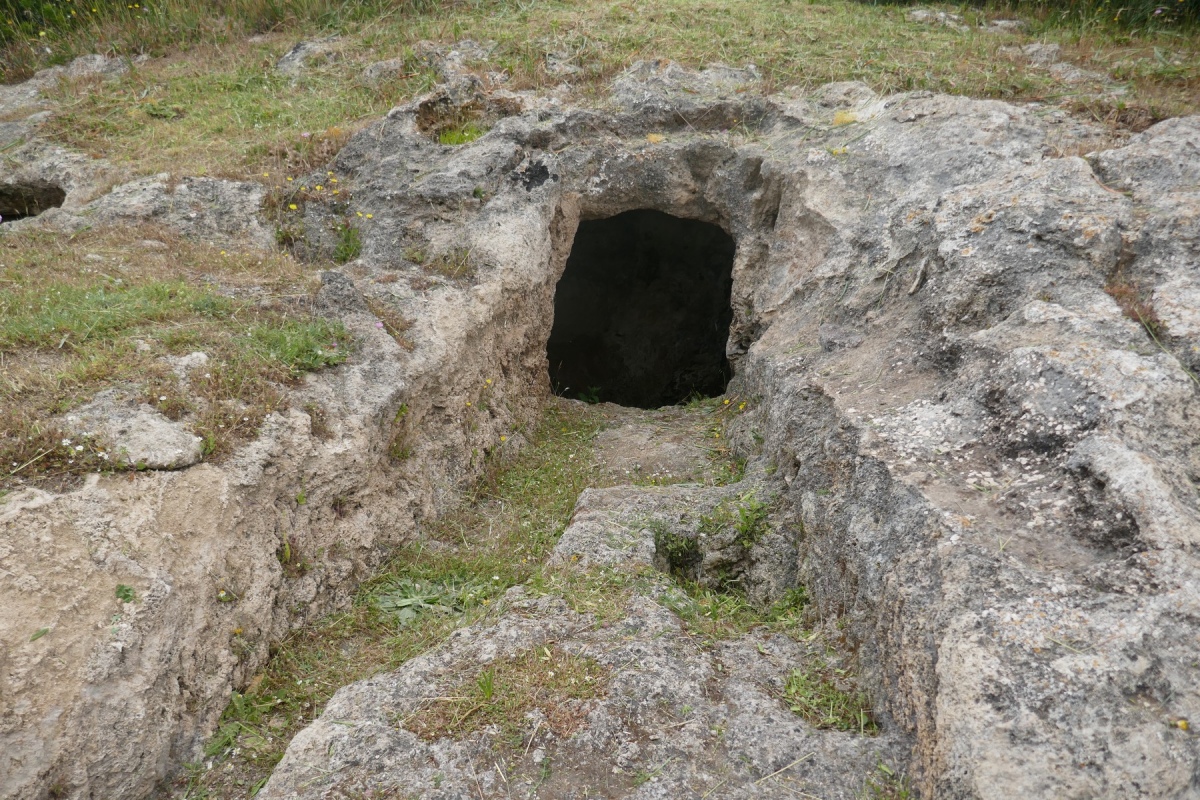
{"x":553,"y":681}
{"x":349,"y":244}
{"x":101,"y":309}
{"x":728,"y":466}
{"x":827,"y":698}
{"x":406,"y":600}
{"x":716,"y":614}
{"x":888,"y":784}
{"x":746,"y":517}
{"x":681,"y":552}
{"x":455,"y":264}
{"x":461,"y":134}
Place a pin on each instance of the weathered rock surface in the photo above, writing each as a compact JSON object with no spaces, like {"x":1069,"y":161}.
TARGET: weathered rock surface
{"x":308,"y":53}
{"x":136,"y":432}
{"x":208,"y":209}
{"x":32,"y":164}
{"x":654,"y":448}
{"x":676,"y":720}
{"x":997,"y":485}
{"x":382,"y":71}
{"x":65,"y":191}
{"x":116,"y":695}
{"x":675,"y":715}
{"x":995,"y":493}
{"x":943,"y":18}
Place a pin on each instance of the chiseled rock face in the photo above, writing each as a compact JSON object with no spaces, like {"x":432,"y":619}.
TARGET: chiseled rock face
{"x":991,"y":469}
{"x":987,"y":472}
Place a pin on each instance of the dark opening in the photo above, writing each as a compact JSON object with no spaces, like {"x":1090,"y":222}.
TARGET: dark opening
{"x":641,"y":314}
{"x":20,"y":200}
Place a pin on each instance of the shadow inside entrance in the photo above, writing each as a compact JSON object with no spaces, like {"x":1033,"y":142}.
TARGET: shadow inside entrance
{"x":20,"y":200}
{"x":642,"y":311}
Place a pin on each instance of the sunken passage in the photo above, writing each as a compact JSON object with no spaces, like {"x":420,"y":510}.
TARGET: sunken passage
{"x":642,"y":311}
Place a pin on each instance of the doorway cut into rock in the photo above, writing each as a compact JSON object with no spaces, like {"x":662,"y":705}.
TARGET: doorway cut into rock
{"x":20,"y":200}
{"x":642,"y":311}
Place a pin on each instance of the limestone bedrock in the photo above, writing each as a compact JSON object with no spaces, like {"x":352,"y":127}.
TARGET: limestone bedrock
{"x":988,"y":472}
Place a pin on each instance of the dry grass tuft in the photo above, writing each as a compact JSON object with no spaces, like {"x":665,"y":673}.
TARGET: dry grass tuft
{"x":1135,"y":305}
{"x":456,"y":264}
{"x":556,"y":683}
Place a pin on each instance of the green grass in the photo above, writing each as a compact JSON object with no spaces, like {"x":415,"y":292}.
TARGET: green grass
{"x":825,"y":698}
{"x":67,"y":28}
{"x":240,"y":121}
{"x":349,"y":244}
{"x":716,"y":614}
{"x":887,"y":784}
{"x":54,"y":315}
{"x":461,"y":134}
{"x":746,"y":516}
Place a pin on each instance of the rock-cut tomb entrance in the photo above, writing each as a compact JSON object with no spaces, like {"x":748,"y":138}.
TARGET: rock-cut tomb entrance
{"x":642,"y":311}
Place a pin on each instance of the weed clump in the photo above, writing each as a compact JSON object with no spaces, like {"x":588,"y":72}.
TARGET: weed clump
{"x":455,"y":264}
{"x":349,"y":244}
{"x":815,"y":694}
{"x":461,"y":134}
{"x":746,"y":517}
{"x":682,"y":553}
{"x":405,"y":599}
